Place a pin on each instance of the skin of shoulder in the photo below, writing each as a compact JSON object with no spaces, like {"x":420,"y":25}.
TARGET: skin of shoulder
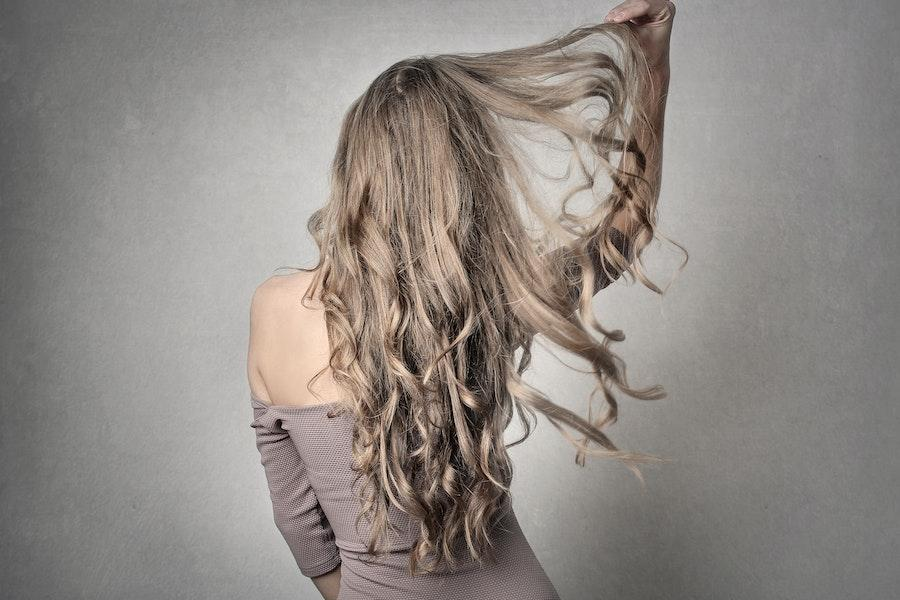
{"x":287,"y":340}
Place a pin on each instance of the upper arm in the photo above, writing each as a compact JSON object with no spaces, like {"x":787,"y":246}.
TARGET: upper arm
{"x":622,"y":222}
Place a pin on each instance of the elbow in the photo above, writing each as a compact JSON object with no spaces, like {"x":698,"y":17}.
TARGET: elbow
{"x":286,"y":524}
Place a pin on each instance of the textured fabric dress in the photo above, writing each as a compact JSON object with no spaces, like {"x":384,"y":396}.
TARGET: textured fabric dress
{"x":306,"y":456}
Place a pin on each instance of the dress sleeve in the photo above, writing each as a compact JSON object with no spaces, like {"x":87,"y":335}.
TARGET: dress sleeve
{"x":623,"y":245}
{"x":295,"y":508}
{"x":601,"y":279}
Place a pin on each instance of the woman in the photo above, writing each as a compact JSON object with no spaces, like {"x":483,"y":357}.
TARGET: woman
{"x":382,"y":380}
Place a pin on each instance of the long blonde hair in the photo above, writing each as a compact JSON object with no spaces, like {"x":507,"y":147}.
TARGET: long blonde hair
{"x":431,"y":280}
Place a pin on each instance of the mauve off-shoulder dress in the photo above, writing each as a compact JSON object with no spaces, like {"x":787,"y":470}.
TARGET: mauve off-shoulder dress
{"x":306,"y":456}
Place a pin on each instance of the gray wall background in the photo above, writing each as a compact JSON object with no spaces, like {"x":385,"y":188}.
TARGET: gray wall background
{"x":159,"y":160}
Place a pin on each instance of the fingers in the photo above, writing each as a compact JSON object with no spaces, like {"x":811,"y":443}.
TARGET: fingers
{"x":639,"y":10}
{"x":627,"y":10}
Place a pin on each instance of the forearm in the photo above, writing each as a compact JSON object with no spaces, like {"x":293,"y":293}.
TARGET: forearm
{"x":651,"y":26}
{"x":329,"y":584}
{"x":648,"y":136}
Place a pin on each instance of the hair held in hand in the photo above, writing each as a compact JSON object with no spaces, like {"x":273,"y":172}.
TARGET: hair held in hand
{"x":434,"y":285}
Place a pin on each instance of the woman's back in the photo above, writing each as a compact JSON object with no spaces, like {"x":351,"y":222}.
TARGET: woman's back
{"x":307,"y":457}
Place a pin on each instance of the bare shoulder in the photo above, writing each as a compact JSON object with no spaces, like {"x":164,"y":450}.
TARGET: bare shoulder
{"x":280,"y":293}
{"x":276,"y":309}
{"x":288,"y":339}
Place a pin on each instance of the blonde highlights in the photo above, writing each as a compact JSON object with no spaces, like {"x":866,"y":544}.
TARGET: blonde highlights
{"x":432,"y":282}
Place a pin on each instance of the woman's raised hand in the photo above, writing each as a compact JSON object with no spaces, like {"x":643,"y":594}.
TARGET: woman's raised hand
{"x":651,"y":22}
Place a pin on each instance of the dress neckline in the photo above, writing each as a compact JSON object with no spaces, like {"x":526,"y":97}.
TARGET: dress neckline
{"x":292,"y":407}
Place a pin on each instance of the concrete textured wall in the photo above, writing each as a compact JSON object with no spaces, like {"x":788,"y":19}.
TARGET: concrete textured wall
{"x":159,"y":160}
